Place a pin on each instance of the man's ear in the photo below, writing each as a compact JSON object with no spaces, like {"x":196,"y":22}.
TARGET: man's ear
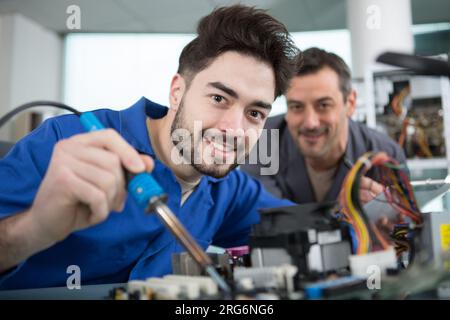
{"x":177,"y":89}
{"x":351,"y":103}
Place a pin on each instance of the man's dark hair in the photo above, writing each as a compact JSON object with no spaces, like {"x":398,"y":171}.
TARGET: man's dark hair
{"x":315,"y":59}
{"x":246,"y":30}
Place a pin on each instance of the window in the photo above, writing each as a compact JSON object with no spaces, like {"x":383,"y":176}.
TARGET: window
{"x":115,"y":70}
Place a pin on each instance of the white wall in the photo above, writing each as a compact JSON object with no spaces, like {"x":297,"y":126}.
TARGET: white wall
{"x":375,"y":27}
{"x":30,"y":66}
{"x":5,"y":58}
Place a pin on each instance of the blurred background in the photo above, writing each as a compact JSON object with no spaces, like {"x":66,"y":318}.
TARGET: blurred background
{"x":109,"y":53}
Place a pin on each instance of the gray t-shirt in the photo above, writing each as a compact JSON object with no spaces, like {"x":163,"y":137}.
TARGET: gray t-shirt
{"x":321,"y":181}
{"x":186,"y":188}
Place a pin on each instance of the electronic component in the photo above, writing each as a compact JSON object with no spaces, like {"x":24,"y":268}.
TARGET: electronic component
{"x":334,"y":288}
{"x":435,"y":237}
{"x":443,"y":291}
{"x":360,"y":265}
{"x":269,"y":278}
{"x":169,"y":287}
{"x":150,"y":289}
{"x":419,"y":65}
{"x":207,"y":285}
{"x":240,"y":256}
{"x":187,"y":289}
{"x":306,"y":236}
{"x":411,"y":109}
{"x":182,"y":263}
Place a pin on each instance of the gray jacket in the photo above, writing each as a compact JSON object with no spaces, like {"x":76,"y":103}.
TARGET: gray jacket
{"x":292,"y":180}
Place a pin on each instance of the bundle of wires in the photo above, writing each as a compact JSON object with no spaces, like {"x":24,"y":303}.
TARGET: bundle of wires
{"x":398,"y":193}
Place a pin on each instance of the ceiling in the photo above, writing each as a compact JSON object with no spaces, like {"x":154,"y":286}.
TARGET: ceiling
{"x":181,"y":16}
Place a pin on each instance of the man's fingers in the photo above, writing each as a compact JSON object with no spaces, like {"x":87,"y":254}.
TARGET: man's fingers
{"x":90,"y":195}
{"x":371,"y":185}
{"x":377,"y":188}
{"x":366,"y":196}
{"x":103,"y":180}
{"x":99,"y":158}
{"x":148,"y":161}
{"x":106,"y":181}
{"x":112,"y":141}
{"x":104,"y":160}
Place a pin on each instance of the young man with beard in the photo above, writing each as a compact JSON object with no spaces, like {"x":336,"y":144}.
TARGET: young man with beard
{"x":318,"y":140}
{"x":62,"y":192}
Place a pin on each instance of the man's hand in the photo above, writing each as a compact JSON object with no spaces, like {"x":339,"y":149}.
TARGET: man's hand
{"x":369,"y":189}
{"x":84,"y":183}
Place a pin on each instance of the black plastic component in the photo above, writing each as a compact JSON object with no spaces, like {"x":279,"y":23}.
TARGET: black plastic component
{"x":419,"y":65}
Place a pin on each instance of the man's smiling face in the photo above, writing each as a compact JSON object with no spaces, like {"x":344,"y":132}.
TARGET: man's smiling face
{"x":317,"y":115}
{"x":231,"y":98}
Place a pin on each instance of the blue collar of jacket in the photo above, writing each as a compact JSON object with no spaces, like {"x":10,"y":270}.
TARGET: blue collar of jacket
{"x":133,"y":126}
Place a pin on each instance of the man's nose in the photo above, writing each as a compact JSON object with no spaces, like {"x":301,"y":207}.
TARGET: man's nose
{"x":232,"y":119}
{"x":310,"y":118}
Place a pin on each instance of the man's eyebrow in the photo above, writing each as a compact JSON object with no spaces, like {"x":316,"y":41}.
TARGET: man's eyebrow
{"x":234,"y":94}
{"x":262,"y":104}
{"x":224,"y":88}
{"x":322,"y":99}
{"x":294,"y":101}
{"x":326,"y":98}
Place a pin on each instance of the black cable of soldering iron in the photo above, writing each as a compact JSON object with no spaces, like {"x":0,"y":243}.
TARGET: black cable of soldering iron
{"x":33,"y":104}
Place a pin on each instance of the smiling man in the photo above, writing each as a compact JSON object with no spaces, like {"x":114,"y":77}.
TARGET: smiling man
{"x":319,"y":142}
{"x":62,"y":192}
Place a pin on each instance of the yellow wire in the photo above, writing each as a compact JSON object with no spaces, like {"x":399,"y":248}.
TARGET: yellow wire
{"x":351,"y":209}
{"x":363,"y":246}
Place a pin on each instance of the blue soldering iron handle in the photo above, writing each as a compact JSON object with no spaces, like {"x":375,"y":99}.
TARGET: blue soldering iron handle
{"x":90,"y":122}
{"x":142,"y":187}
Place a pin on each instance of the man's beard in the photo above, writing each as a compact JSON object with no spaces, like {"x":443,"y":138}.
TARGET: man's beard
{"x":307,"y":150}
{"x":214,"y":170}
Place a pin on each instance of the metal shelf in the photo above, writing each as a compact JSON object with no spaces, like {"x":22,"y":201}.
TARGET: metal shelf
{"x":423,"y":164}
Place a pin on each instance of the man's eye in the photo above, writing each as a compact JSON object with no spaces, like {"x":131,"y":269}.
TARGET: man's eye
{"x":294,"y":107}
{"x":218,"y":98}
{"x":256,"y":114}
{"x":324,"y":105}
